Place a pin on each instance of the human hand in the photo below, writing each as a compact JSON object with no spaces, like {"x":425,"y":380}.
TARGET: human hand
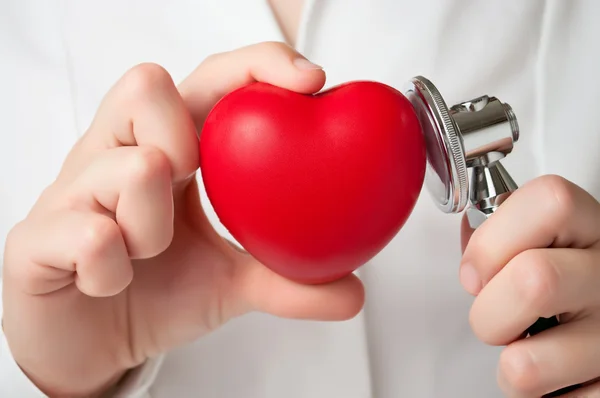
{"x":117,"y":262}
{"x":539,"y":256}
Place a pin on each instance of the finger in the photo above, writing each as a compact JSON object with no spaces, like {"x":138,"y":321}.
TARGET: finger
{"x":465,"y":233}
{"x":536,"y":283}
{"x":270,"y":62}
{"x":143,"y":108}
{"x":260,"y":289}
{"x":134,"y":184}
{"x":564,"y":356}
{"x":549,"y":211}
{"x":71,"y":247}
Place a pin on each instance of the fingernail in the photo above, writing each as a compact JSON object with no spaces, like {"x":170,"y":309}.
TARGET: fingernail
{"x":470,"y":279}
{"x":304,"y":64}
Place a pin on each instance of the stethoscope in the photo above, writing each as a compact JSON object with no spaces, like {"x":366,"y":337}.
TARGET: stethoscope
{"x":474,"y":136}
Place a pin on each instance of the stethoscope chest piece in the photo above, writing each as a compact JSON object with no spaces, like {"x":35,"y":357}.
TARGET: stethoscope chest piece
{"x":470,"y":136}
{"x":446,"y":175}
{"x":474,"y":134}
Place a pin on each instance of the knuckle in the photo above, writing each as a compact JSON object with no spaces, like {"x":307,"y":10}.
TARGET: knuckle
{"x":273,"y":49}
{"x":13,"y":233}
{"x":97,"y":236}
{"x":212,"y":58}
{"x":536,"y":280}
{"x":562,"y":197}
{"x":215,"y":60}
{"x":517,"y":370}
{"x":145,"y":79}
{"x":48,"y":192}
{"x":71,"y":200}
{"x":148,"y":163}
{"x":13,"y":239}
{"x":274,"y":46}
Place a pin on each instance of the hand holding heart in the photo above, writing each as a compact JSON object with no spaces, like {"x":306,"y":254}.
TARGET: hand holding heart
{"x":539,"y":256}
{"x":118,"y":247}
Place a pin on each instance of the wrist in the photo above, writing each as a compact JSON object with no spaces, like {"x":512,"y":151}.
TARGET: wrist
{"x":62,"y":370}
{"x":57,"y":379}
{"x":64,"y":387}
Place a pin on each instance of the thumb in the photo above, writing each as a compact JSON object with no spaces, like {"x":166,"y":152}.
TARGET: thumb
{"x":268,"y":62}
{"x":257,"y":288}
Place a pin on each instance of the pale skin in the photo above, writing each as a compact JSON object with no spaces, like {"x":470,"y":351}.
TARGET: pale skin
{"x":126,"y":265}
{"x":93,"y":275}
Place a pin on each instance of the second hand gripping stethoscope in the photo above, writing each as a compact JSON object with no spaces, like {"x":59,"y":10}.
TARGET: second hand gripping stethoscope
{"x":473,"y":136}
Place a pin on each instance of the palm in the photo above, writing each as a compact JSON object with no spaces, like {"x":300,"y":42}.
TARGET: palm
{"x":180,"y":293}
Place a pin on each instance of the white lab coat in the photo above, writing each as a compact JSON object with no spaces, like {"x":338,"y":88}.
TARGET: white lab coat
{"x":58,"y":58}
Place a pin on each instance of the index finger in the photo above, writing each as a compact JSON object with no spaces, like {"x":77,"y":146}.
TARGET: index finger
{"x":548,"y":212}
{"x":143,"y":108}
{"x":146,"y":108}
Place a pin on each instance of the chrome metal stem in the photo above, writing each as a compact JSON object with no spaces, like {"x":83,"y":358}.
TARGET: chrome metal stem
{"x":491,"y":185}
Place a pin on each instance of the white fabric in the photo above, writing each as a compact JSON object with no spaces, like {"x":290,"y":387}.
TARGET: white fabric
{"x":58,"y":58}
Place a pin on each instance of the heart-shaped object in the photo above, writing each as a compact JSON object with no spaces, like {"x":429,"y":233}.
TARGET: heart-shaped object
{"x":313,"y":186}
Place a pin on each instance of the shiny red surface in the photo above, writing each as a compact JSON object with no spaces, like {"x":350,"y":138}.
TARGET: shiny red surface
{"x":313,"y":186}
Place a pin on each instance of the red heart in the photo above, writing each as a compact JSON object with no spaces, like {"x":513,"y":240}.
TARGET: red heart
{"x":313,"y":186}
